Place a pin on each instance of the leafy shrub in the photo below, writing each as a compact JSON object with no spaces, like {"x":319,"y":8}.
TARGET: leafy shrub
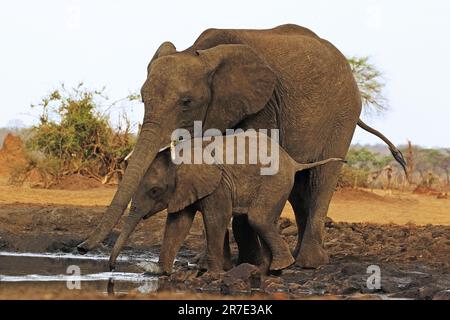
{"x":352,"y":177}
{"x":74,"y":137}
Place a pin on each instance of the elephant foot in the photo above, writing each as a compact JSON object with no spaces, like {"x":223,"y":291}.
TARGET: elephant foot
{"x":200,"y":261}
{"x":280,"y":264}
{"x":164,"y":268}
{"x":227,"y":265}
{"x":312,"y":257}
{"x":198,"y":257}
{"x":264,"y":267}
{"x":83,"y":248}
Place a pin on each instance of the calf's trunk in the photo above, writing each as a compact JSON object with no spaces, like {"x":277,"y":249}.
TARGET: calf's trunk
{"x":129,"y":225}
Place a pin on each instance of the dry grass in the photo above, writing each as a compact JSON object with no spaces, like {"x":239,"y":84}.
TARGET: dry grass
{"x":347,"y":205}
{"x":384,"y":207}
{"x":89,"y":197}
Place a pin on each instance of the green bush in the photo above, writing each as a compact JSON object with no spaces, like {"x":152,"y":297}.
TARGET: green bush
{"x":352,"y":177}
{"x":74,"y":137}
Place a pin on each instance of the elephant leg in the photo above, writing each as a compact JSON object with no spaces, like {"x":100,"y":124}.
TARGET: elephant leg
{"x":300,"y":210}
{"x":263,"y":217}
{"x":266,"y":254}
{"x":200,"y":258}
{"x":177,"y":228}
{"x":217,"y":213}
{"x":310,"y":199}
{"x":247,"y":241}
{"x":215,"y":226}
{"x":227,"y":264}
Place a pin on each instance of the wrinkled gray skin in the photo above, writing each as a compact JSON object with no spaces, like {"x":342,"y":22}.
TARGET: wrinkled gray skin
{"x":286,"y":78}
{"x":219,"y":191}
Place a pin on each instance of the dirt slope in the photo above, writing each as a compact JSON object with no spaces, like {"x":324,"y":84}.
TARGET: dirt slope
{"x":11,"y":154}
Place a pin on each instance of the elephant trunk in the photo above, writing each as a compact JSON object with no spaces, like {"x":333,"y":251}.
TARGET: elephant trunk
{"x":144,"y":153}
{"x":129,"y":225}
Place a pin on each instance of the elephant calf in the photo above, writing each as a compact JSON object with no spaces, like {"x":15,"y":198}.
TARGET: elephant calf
{"x":219,"y":190}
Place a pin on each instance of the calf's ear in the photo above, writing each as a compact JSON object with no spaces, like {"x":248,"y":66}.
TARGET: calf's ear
{"x":193,"y":182}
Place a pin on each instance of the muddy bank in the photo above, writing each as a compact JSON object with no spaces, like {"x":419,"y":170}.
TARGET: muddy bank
{"x":414,"y":261}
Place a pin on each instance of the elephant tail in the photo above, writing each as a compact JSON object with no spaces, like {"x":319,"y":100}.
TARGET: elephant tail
{"x":304,"y":166}
{"x":397,"y":154}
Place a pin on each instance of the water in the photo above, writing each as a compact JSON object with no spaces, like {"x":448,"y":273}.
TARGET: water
{"x":54,"y":272}
{"x":61,"y":271}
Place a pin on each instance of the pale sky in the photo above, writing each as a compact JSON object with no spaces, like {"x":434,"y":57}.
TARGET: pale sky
{"x":109,"y":43}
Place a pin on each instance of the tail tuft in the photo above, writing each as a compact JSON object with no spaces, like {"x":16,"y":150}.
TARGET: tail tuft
{"x":398,"y":155}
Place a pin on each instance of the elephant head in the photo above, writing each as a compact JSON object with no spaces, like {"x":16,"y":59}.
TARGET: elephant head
{"x":166,"y":186}
{"x":220,"y":86}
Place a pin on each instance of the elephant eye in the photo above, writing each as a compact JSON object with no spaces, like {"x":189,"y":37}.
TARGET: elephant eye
{"x":186,"y":102}
{"x":154,"y":192}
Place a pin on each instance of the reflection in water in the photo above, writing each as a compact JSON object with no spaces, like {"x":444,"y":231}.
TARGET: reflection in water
{"x":88,"y":256}
{"x":146,"y":286}
{"x":118,"y":276}
{"x":50,"y":272}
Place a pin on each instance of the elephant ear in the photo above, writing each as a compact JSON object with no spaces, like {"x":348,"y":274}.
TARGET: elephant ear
{"x":165,"y":49}
{"x":193,"y":182}
{"x":241,"y":84}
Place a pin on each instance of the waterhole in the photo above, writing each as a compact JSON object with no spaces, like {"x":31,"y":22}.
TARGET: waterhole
{"x":57,"y":272}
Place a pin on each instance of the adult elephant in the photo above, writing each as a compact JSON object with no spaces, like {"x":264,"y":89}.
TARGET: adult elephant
{"x":284,"y":78}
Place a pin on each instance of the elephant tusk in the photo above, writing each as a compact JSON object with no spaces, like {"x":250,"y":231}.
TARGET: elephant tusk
{"x":172,"y":150}
{"x":129,"y":155}
{"x":171,"y":146}
{"x":164,"y":148}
